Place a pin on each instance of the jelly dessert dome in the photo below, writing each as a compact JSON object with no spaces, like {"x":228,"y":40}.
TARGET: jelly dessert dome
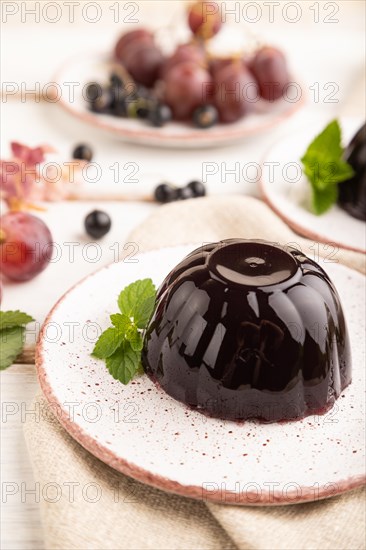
{"x":247,"y":329}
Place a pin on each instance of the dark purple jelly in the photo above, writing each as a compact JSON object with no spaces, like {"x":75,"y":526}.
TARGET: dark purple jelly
{"x":352,"y":193}
{"x":247,"y":329}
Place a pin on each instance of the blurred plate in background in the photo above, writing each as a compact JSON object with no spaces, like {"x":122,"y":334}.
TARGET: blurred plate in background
{"x":90,"y":67}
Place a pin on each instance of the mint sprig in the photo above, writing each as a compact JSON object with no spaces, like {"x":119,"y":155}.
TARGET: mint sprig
{"x":12,"y":328}
{"x":325,"y":167}
{"x":137,"y":301}
{"x":120,"y":345}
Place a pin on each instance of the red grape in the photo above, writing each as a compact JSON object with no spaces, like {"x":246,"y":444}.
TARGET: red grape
{"x":219,"y":63}
{"x":184,"y":52}
{"x":137,"y":36}
{"x":204,"y":19}
{"x":25,"y":246}
{"x":187,"y":86}
{"x":143,"y":62}
{"x":235,"y":91}
{"x":270,"y":69}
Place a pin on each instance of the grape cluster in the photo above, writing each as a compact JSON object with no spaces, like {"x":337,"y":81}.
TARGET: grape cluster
{"x":189,"y":85}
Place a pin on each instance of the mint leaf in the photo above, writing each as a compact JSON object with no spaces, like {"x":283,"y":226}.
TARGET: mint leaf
{"x":124,"y":363}
{"x":130,"y":330}
{"x":14,"y":319}
{"x":328,"y":141}
{"x":134,"y":295}
{"x":120,"y":345}
{"x":135,"y":338}
{"x":11,"y":335}
{"x":108,"y":342}
{"x":138,"y":343}
{"x":11,"y":344}
{"x":120,"y":321}
{"x":144,"y":311}
{"x":323,"y":199}
{"x":342,"y":171}
{"x":322,"y":172}
{"x":324,"y":167}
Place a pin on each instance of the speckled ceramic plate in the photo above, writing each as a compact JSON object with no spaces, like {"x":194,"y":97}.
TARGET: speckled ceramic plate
{"x":288,"y":192}
{"x":144,"y":433}
{"x":90,"y":67}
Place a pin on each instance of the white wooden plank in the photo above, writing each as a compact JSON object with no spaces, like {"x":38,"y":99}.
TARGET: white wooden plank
{"x":20,"y":521}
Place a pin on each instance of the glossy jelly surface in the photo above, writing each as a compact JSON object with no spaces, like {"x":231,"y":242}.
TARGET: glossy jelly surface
{"x":247,"y":329}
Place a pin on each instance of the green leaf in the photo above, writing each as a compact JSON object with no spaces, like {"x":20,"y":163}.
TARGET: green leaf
{"x":138,"y":343}
{"x":131,"y":332}
{"x":108,"y":342}
{"x":323,"y":199}
{"x":120,"y":321}
{"x":342,"y":171}
{"x":11,"y":344}
{"x":328,"y":141}
{"x":135,"y":338}
{"x":14,"y":319}
{"x":124,"y":363}
{"x":134,"y":295}
{"x":144,"y":311}
{"x":322,"y":172}
{"x":120,"y":346}
{"x":325,"y":168}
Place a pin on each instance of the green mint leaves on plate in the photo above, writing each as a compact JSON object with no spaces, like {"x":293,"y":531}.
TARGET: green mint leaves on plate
{"x":121,"y":344}
{"x":325,"y":167}
{"x":12,"y":328}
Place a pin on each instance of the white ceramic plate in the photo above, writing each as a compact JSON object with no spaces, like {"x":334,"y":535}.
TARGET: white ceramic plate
{"x":144,"y":433}
{"x":288,"y":192}
{"x":90,"y":67}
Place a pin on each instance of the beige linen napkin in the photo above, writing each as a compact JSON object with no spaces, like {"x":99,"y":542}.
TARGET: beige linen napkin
{"x":128,"y":515}
{"x":222,"y":217}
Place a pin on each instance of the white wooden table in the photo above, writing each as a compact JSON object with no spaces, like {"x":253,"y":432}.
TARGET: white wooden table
{"x":320,"y":53}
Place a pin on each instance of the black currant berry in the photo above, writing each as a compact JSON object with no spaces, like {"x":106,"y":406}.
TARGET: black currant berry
{"x":205,"y":116}
{"x":160,"y":115}
{"x":166,"y":193}
{"x":104,"y":102}
{"x":116,"y":81}
{"x":83,"y":152}
{"x":97,"y":224}
{"x":93,"y":91}
{"x":185,"y":193}
{"x":197,"y":187}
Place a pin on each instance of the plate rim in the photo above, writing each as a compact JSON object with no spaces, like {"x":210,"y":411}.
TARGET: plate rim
{"x":108,"y":457}
{"x":151,"y":136}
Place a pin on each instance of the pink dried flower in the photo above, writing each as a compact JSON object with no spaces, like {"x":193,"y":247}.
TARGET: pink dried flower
{"x":22,"y":179}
